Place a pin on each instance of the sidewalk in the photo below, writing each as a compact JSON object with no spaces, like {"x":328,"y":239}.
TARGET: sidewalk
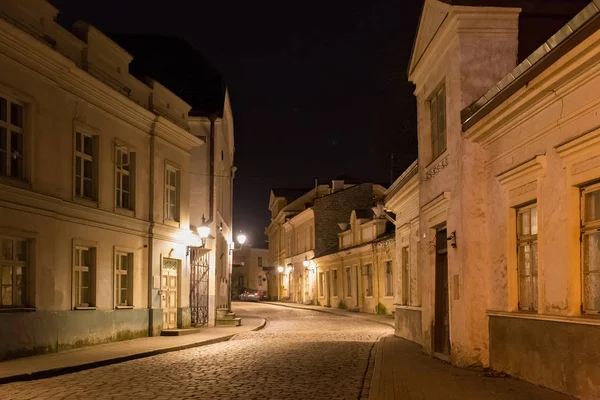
{"x":64,"y":362}
{"x":380,"y":319}
{"x":403,"y":371}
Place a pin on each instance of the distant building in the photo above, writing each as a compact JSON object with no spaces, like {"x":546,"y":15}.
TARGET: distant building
{"x":96,"y":180}
{"x":251,"y":268}
{"x":305,"y":225}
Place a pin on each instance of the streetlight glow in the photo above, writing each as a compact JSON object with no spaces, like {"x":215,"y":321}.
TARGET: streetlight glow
{"x":241,"y":238}
{"x":280,"y":269}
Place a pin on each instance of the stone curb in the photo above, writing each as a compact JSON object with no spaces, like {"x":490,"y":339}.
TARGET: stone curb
{"x":325,"y":310}
{"x":96,"y":364}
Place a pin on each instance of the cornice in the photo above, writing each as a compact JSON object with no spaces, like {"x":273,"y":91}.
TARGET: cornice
{"x":580,"y":147}
{"x":52,"y":65}
{"x":47,"y":206}
{"x":524,"y":172}
{"x":172,"y":133}
{"x":439,"y":203}
{"x":402,"y":197}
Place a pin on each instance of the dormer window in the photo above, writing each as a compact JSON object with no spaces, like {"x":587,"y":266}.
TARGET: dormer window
{"x":437,"y":112}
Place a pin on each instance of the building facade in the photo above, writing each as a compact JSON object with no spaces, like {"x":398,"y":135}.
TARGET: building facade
{"x":507,"y":97}
{"x":251,"y":270}
{"x":358,"y":273}
{"x":95,"y":221}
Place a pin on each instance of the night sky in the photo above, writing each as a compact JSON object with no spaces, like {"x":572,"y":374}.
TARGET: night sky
{"x":318,"y":88}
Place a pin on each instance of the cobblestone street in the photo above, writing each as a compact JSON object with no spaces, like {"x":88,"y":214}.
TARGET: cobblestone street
{"x":299,"y":355}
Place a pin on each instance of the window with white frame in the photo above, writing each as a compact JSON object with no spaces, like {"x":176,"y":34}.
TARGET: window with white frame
{"x":369,"y":272}
{"x":527,"y":257}
{"x":124,"y":178}
{"x":405,"y":276}
{"x":171,"y":194}
{"x":83,"y":265}
{"x":321,"y":284}
{"x":11,"y":137}
{"x":334,"y":288}
{"x":348,"y":282}
{"x":437,"y":110}
{"x":389,"y":278}
{"x":123,"y":279}
{"x":13,"y":272}
{"x":590,"y":249}
{"x":85,"y":182}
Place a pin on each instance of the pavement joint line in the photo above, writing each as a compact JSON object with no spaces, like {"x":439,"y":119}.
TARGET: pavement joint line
{"x":50,"y":373}
{"x":325,"y":310}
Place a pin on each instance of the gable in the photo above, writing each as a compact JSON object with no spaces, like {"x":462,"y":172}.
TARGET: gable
{"x":432,"y":17}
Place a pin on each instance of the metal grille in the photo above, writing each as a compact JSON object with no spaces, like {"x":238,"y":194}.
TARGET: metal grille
{"x":199,"y":285}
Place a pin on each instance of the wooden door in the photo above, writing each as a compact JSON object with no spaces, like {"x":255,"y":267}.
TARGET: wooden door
{"x":169,"y":293}
{"x":442,"y":312}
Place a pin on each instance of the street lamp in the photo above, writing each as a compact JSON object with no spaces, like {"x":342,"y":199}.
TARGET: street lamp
{"x":280,"y":269}
{"x":241,"y":238}
{"x":203,"y":231}
{"x":305,"y":263}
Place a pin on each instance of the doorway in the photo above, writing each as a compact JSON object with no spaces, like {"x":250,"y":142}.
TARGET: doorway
{"x":169,"y":286}
{"x":442,"y":313}
{"x":328,"y":288}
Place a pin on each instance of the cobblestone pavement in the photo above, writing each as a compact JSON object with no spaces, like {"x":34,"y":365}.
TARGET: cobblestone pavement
{"x":300,"y":354}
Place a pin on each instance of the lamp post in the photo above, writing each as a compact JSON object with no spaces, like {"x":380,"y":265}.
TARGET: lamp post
{"x":241,"y":238}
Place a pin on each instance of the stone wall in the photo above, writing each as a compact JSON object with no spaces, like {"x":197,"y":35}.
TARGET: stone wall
{"x":335,"y":208}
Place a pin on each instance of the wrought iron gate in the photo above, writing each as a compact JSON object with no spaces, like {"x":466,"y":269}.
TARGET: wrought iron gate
{"x":199,"y":285}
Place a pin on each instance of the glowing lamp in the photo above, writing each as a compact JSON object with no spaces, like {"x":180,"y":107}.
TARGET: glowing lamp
{"x":241,"y":238}
{"x":280,"y":269}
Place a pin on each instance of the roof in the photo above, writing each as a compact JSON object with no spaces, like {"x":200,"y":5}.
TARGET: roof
{"x":176,"y":64}
{"x":289,"y":193}
{"x":538,"y":20}
{"x":336,"y":248}
{"x":581,"y":26}
{"x":403,"y":179}
{"x":364,"y":214}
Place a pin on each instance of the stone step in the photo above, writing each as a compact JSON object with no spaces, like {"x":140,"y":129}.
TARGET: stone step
{"x":179,"y":332}
{"x":229,"y":322}
{"x":226,"y":316}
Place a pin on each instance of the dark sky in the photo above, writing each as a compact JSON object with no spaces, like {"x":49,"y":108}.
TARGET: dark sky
{"x":318,"y":88}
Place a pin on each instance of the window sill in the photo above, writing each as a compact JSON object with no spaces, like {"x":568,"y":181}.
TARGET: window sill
{"x":124,"y":307}
{"x":16,"y":182}
{"x":368,"y":297}
{"x":85,"y":202}
{"x":17,"y":309}
{"x":435,"y":160}
{"x":84,"y":308}
{"x":174,"y":224}
{"x":388,"y":296}
{"x":576,"y":319}
{"x":125,"y":211}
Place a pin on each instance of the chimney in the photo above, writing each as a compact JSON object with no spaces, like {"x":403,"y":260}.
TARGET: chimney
{"x":336,"y":185}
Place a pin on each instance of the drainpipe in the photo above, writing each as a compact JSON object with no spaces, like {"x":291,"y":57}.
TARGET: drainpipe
{"x":151,"y":188}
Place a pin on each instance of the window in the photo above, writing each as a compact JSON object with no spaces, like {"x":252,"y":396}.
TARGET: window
{"x":369,"y":270}
{"x":172,"y":194}
{"x":590,"y":242}
{"x":13,"y":272}
{"x":124,"y":279}
{"x":240,"y":281}
{"x":437,"y":109}
{"x":310,"y":238}
{"x":405,"y":276}
{"x":259,"y":281}
{"x":260,"y":261}
{"x":321,"y":284}
{"x":334,"y":289}
{"x":82,"y":276}
{"x":527,"y":257}
{"x":125,"y":178}
{"x":348,"y":282}
{"x":389,"y":282}
{"x":84,"y":166}
{"x":11,"y":138}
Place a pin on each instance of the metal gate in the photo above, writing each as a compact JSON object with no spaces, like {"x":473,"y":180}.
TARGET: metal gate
{"x":199,"y":285}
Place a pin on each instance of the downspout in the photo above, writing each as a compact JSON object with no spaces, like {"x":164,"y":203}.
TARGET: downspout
{"x":211,"y":196}
{"x":151,"y":189}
